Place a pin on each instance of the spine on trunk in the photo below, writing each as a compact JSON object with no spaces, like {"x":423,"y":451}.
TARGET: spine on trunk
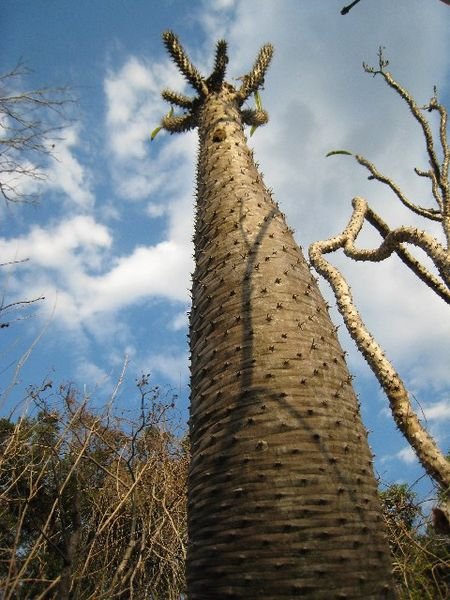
{"x":282,"y":500}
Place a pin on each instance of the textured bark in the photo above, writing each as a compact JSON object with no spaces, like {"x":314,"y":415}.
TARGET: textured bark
{"x":282,"y":500}
{"x":282,"y":497}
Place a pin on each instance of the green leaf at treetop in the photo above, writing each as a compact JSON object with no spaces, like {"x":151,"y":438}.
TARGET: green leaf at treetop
{"x":333,"y":152}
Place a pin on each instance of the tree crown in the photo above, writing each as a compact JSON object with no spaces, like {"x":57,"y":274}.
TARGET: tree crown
{"x":214,"y":83}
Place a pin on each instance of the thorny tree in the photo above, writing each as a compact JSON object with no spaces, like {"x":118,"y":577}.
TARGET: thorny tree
{"x":282,"y":500}
{"x":395,"y":241}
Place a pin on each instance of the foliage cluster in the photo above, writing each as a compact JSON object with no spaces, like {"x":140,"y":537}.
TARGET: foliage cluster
{"x":92,"y":503}
{"x":421,"y":556}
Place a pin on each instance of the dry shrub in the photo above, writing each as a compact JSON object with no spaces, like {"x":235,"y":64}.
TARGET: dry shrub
{"x":92,"y":504}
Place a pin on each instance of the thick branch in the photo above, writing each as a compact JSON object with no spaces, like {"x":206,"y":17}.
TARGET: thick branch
{"x":392,"y":241}
{"x":217,"y":77}
{"x":182,"y":61}
{"x":425,"y":447}
{"x":179,"y":124}
{"x":254,"y":118}
{"x":255,"y":79}
{"x":178,"y":99}
{"x":418,"y":269}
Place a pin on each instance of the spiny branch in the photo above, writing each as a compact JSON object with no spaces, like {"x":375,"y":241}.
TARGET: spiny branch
{"x":179,"y":124}
{"x":426,"y":449}
{"x":179,"y":99}
{"x":182,"y":61}
{"x":394,"y":240}
{"x":250,"y":85}
{"x":255,"y":79}
{"x":254,"y":118}
{"x":217,"y":77}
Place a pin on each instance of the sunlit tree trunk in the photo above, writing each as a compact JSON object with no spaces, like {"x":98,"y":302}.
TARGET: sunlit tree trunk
{"x":282,"y":500}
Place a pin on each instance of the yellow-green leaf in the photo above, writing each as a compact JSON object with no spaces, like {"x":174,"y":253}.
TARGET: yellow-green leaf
{"x":333,"y":152}
{"x":258,"y":101}
{"x":155,"y":132}
{"x":158,"y":129}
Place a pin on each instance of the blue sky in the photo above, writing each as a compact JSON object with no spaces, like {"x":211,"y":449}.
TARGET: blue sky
{"x":110,"y":241}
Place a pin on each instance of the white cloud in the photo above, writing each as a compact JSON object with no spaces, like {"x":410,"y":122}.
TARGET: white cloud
{"x":135,"y":106}
{"x":75,"y":240}
{"x":173,"y":365}
{"x":180,"y":321}
{"x":91,"y":375}
{"x":67,"y":174}
{"x":439,"y":411}
{"x":160,"y":270}
{"x":155,"y":209}
{"x":68,"y":265}
{"x":407,"y":455}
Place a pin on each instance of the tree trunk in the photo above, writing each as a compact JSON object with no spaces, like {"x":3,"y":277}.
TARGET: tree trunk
{"x":282,"y":500}
{"x":282,"y":496}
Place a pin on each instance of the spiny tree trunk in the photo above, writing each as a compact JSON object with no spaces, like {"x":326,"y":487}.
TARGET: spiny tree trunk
{"x":282,"y":500}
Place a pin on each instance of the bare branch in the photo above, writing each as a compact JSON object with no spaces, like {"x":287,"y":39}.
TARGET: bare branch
{"x":349,"y":7}
{"x":429,"y":213}
{"x":30,"y":125}
{"x":428,"y":278}
{"x":394,"y":240}
{"x":413,"y":106}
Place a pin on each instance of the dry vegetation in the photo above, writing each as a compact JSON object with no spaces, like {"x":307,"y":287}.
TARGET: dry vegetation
{"x":92,"y":505}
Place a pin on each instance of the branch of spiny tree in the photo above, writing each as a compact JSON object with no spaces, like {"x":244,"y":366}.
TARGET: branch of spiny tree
{"x":394,"y":241}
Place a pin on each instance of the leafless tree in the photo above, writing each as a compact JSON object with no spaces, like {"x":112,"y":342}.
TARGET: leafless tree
{"x":92,"y":501}
{"x":30,"y":122}
{"x":395,"y":241}
{"x":30,"y":125}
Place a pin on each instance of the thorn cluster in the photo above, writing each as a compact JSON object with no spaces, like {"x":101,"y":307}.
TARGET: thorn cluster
{"x":204,"y":86}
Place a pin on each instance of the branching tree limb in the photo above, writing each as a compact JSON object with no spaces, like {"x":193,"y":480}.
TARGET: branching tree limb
{"x":349,"y":7}
{"x":395,"y":241}
{"x":89,"y":509}
{"x":30,"y":123}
